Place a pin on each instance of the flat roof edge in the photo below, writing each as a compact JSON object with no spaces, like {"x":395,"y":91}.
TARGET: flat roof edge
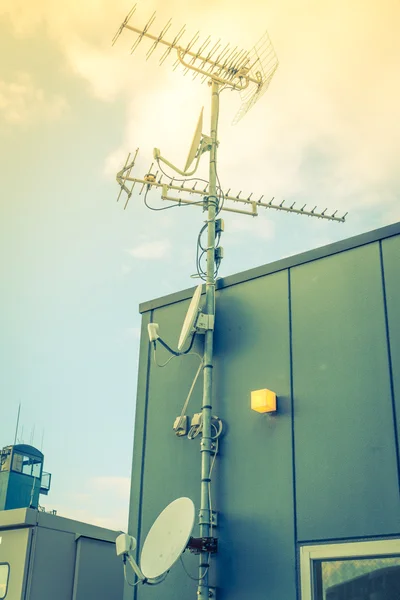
{"x":17,"y":517}
{"x":30,"y":517}
{"x":285,"y":263}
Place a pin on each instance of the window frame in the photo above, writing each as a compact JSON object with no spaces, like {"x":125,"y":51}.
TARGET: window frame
{"x":8,"y":578}
{"x":339,"y":550}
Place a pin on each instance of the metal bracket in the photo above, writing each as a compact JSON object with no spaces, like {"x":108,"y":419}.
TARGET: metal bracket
{"x":204,"y":322}
{"x":203,"y":544}
{"x":205,"y":144}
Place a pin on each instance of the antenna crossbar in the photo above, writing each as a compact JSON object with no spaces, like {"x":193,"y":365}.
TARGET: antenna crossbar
{"x":151,"y":182}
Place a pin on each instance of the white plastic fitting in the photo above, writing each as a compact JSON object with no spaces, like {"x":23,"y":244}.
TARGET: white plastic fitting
{"x":152,"y":329}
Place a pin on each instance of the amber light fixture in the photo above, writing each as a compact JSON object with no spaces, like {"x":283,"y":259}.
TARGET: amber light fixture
{"x":263,"y":401}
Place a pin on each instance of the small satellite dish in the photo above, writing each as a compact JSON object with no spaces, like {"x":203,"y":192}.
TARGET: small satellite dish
{"x":189,"y":324}
{"x":167,"y":538}
{"x":195,"y":142}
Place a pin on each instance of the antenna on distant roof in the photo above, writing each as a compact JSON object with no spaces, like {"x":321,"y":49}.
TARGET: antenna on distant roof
{"x":249,"y":73}
{"x":16,"y":427}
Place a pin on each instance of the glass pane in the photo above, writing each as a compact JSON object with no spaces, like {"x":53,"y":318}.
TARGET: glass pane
{"x":36,"y":468}
{"x":17,"y":462}
{"x":372,"y":578}
{"x":4,"y":572}
{"x":27,"y":465}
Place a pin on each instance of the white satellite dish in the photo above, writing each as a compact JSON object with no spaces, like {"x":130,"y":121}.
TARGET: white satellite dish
{"x":189,"y":324}
{"x":195,"y":142}
{"x":167,"y":538}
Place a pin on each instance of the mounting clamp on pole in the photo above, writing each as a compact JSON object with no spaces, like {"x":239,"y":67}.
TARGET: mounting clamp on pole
{"x":203,"y":544}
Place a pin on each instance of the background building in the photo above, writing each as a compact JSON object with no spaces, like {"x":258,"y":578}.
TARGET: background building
{"x":44,"y":556}
{"x":319,"y":479}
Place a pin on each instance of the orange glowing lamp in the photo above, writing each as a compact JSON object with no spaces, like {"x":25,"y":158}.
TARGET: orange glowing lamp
{"x":263,"y":401}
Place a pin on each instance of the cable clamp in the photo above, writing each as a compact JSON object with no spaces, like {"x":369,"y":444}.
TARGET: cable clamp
{"x":208,"y":517}
{"x":206,"y":445}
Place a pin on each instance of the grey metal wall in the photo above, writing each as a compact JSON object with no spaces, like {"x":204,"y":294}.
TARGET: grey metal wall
{"x":14,"y":551}
{"x":323,"y":331}
{"x":51,"y":557}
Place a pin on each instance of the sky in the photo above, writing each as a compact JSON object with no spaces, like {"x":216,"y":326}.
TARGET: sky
{"x":75,"y":266}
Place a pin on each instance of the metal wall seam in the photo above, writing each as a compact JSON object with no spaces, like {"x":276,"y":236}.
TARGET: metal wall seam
{"x":390,"y":363}
{"x":297,"y":557}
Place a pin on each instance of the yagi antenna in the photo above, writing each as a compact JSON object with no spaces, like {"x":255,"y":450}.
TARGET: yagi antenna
{"x":250,"y":207}
{"x":238,"y":68}
{"x":250,"y":73}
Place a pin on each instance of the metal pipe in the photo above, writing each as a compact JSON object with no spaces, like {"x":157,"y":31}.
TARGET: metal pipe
{"x":206,"y":409}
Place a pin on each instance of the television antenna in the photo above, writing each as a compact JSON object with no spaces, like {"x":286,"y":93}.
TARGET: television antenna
{"x":249,"y":73}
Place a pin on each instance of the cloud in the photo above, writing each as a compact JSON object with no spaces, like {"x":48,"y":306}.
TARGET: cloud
{"x":120,"y":486}
{"x":259,"y":226}
{"x":22,"y":101}
{"x":104,"y":501}
{"x":151,"y":250}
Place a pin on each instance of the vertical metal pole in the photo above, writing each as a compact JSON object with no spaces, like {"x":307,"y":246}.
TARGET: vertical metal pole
{"x":16,"y":427}
{"x":206,"y":439}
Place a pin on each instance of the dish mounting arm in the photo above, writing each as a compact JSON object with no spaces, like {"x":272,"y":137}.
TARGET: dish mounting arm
{"x":135,"y":567}
{"x":205,"y":146}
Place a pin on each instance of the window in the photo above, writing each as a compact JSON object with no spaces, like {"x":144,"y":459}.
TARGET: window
{"x":353,"y":571}
{"x":4,"y":574}
{"x":26,"y":465}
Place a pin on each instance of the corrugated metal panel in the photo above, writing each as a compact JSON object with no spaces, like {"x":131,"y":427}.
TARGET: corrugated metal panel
{"x":253,"y":477}
{"x":98,"y":571}
{"x":345,"y":452}
{"x":51,"y":568}
{"x":391,"y":264}
{"x":171,"y":464}
{"x":14,"y":550}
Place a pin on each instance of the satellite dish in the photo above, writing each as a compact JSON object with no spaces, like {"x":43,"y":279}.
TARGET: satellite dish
{"x":167,"y":538}
{"x":189,"y":324}
{"x":195,"y":142}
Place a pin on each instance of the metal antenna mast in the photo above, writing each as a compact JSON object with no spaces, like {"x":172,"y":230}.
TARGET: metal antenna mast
{"x":250,"y":73}
{"x":17,"y":424}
